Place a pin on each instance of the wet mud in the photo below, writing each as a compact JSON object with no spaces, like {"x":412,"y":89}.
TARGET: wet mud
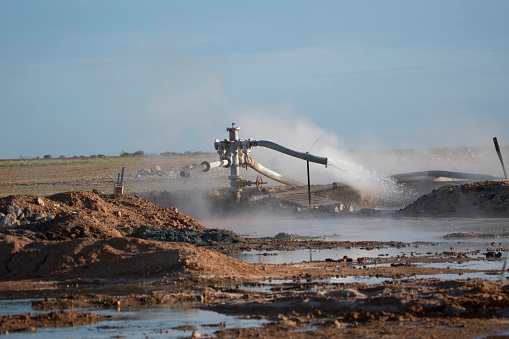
{"x":101,"y":251}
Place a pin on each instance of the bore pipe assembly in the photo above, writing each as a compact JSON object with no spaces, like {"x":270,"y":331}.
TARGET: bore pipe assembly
{"x":235,"y":152}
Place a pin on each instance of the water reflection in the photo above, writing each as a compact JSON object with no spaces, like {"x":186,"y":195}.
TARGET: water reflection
{"x":355,"y":228}
{"x":133,"y":323}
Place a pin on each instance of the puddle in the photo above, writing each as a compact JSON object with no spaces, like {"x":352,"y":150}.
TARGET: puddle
{"x":18,"y":306}
{"x":442,"y":276}
{"x":481,"y":265}
{"x":461,"y":276}
{"x":473,"y":251}
{"x":133,"y":323}
{"x":285,"y":257}
{"x":355,"y":228}
{"x":267,"y":286}
{"x":158,"y":322}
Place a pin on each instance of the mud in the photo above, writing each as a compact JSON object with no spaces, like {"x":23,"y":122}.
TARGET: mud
{"x":123,"y":243}
{"x":32,"y":322}
{"x":84,"y":214}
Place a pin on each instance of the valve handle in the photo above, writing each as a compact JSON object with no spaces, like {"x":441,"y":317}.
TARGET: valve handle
{"x":259,"y":182}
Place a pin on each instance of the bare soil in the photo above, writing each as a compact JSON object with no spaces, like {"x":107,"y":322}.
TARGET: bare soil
{"x":97,"y":239}
{"x":480,"y":199}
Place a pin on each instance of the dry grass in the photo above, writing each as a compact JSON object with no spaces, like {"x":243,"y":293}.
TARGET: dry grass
{"x":49,"y":176}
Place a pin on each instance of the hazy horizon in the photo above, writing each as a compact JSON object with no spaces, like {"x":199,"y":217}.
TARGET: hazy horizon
{"x":91,"y":77}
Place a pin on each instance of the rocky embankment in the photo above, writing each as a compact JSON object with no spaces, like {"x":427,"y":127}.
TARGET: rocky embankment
{"x":82,"y":214}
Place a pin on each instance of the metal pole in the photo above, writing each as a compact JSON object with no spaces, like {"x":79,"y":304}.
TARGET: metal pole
{"x":122,"y":177}
{"x":235,"y":178}
{"x":497,"y":148}
{"x":309,"y":182}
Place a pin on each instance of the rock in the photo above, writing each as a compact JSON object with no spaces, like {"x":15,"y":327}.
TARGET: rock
{"x":15,"y":210}
{"x":9,"y":220}
{"x":40,"y":202}
{"x":336,"y":208}
{"x":286,"y":236}
{"x":39,"y":217}
{"x":27,"y":211}
{"x":492,"y":254}
{"x":96,"y":191}
{"x":156,"y":168}
{"x":193,"y":236}
{"x":196,"y":334}
{"x":143,"y":172}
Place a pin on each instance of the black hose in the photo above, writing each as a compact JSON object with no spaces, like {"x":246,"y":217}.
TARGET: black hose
{"x":282,"y":149}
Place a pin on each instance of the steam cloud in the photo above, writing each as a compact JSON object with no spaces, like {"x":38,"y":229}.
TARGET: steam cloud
{"x":301,"y":134}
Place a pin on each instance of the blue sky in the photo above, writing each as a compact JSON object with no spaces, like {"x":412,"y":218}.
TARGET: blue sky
{"x":102,"y":77}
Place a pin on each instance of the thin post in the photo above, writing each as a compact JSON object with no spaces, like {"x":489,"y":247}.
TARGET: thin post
{"x":497,"y":148}
{"x":309,"y":182}
{"x":122,"y":177}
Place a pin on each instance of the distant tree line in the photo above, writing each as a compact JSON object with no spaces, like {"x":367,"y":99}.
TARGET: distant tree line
{"x":186,"y":153}
{"x":139,"y":153}
{"x":166,"y":154}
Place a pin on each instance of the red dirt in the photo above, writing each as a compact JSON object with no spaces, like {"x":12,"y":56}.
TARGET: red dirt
{"x":87,"y":214}
{"x":485,"y":199}
{"x":91,"y":241}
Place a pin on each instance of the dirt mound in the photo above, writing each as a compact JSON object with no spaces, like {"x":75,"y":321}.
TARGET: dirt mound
{"x":483,"y":199}
{"x":80,"y":214}
{"x":120,"y":258}
{"x":85,"y":235}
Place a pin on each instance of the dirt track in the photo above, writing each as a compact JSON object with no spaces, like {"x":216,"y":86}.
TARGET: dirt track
{"x":101,"y":239}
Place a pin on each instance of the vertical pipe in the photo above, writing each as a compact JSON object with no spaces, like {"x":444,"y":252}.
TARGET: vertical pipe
{"x":497,"y":148}
{"x":309,"y":183}
{"x":234,"y":168}
{"x":122,"y":177}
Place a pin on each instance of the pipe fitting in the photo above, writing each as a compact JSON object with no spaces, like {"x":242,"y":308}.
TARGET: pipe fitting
{"x":205,"y":167}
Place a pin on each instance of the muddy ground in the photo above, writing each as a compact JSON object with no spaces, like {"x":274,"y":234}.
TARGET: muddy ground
{"x":59,"y":244}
